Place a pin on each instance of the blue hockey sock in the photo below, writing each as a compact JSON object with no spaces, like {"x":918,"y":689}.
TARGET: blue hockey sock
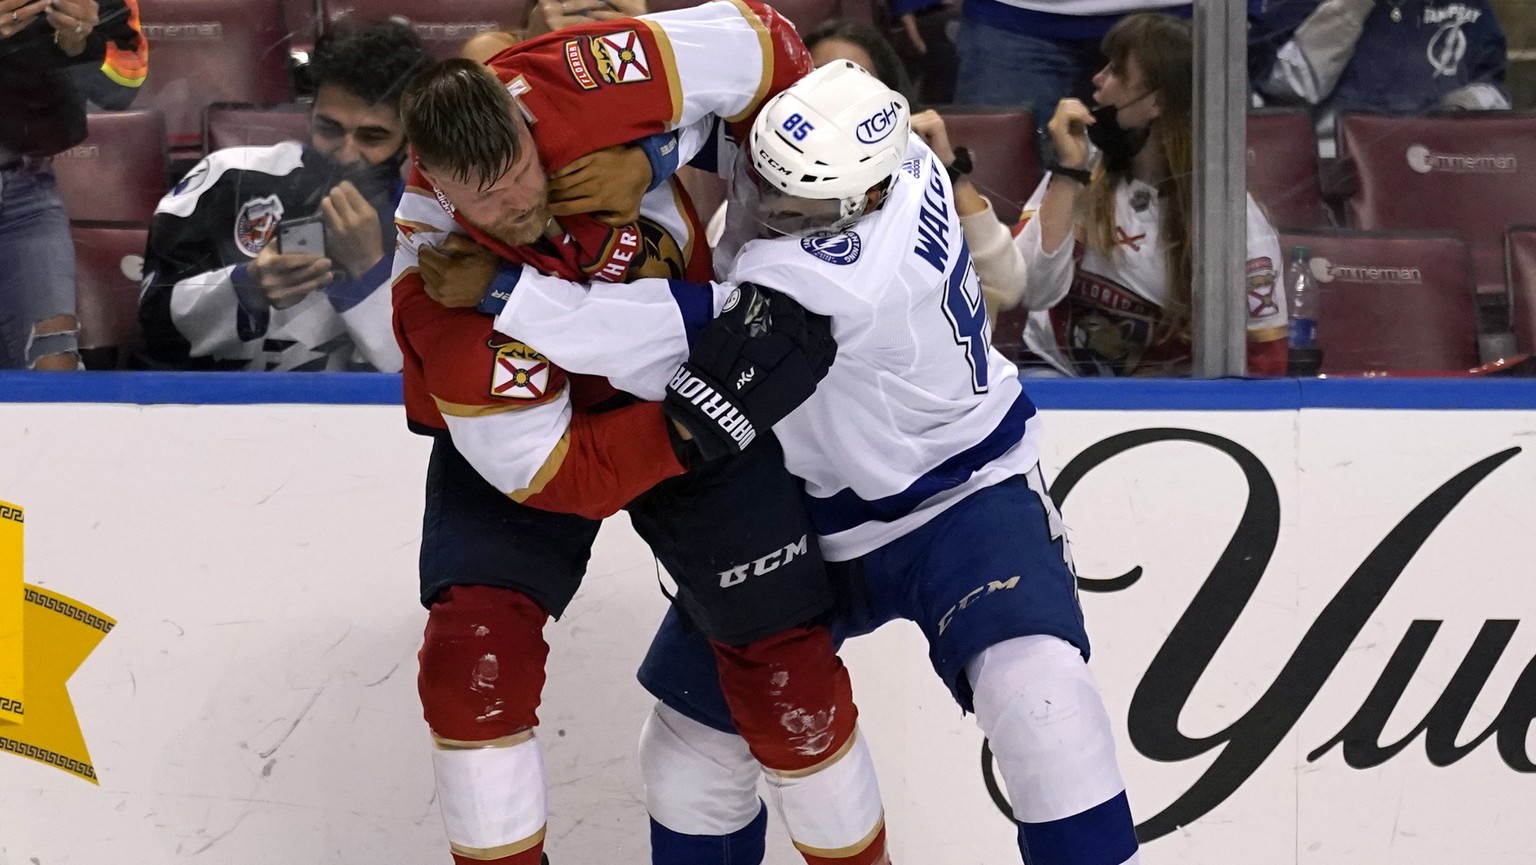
{"x":1102,"y":835}
{"x":745,"y":846}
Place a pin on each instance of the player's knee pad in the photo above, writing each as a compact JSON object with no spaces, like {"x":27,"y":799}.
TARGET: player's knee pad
{"x":482,"y":670}
{"x":482,"y":663}
{"x":790,"y":697}
{"x":1041,"y":710}
{"x":698,"y":780}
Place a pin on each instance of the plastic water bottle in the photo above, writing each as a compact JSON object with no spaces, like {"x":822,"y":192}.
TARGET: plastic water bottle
{"x":1306,"y":358}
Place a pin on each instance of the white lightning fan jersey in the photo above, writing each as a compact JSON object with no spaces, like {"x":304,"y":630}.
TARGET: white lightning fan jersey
{"x":1103,"y":315}
{"x":917,"y":412}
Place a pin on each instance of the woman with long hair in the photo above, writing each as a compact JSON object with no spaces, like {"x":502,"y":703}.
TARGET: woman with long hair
{"x":1106,"y":238}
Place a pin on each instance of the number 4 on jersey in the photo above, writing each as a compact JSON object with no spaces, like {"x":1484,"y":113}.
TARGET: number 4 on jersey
{"x":967,"y":314}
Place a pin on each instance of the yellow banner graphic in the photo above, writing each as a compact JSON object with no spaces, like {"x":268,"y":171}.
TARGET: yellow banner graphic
{"x":10,"y":614}
{"x":44,"y":637}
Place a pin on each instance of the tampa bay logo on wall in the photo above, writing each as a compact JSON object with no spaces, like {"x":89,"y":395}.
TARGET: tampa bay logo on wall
{"x":1174,"y":672}
{"x":44,"y":637}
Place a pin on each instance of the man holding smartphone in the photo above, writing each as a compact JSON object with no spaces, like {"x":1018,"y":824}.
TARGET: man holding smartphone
{"x":272,"y":258}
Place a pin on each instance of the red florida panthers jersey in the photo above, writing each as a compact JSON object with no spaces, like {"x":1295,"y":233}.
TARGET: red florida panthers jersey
{"x":522,"y":422}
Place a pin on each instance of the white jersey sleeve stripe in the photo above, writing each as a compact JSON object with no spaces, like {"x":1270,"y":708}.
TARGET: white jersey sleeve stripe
{"x":845,"y":510}
{"x":718,"y":53}
{"x":537,"y":431}
{"x":765,"y":41}
{"x":669,"y":64}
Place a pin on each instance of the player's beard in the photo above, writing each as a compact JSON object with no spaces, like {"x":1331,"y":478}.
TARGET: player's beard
{"x":523,"y":230}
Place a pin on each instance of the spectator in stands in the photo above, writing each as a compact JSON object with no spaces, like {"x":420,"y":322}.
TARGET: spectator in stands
{"x":41,"y":114}
{"x":1106,"y":244}
{"x":221,"y":293}
{"x":113,"y":84}
{"x":1393,"y":56}
{"x":547,"y":15}
{"x":838,"y":39}
{"x":1037,"y":52}
{"x":925,"y":42}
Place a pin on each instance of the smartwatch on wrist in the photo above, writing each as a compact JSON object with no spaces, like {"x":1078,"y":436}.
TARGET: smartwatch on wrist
{"x":1081,"y":175}
{"x":961,"y":165}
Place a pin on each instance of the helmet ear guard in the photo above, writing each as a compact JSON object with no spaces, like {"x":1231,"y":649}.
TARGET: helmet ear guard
{"x":832,"y":135}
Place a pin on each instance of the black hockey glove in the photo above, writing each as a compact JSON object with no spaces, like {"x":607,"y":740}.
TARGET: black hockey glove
{"x":754,"y":364}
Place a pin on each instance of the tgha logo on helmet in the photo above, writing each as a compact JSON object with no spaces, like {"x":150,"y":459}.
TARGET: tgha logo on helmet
{"x":877,"y":128}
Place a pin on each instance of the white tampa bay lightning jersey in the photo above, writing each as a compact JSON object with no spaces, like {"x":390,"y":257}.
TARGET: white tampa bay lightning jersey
{"x":917,"y":412}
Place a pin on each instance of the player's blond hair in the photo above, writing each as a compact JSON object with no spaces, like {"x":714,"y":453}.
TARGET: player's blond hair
{"x":461,"y":121}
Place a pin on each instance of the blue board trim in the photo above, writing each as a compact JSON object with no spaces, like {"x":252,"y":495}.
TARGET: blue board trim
{"x":202,"y":388}
{"x":234,"y":388}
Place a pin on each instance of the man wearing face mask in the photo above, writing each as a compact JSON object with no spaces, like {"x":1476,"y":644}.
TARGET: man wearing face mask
{"x":220,"y":292}
{"x":1106,"y":238}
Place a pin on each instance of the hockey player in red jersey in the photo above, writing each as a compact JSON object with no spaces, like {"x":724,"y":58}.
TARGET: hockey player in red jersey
{"x":528,"y":459}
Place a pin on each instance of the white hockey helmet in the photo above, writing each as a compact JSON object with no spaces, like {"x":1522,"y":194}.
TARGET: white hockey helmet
{"x":831,"y":136}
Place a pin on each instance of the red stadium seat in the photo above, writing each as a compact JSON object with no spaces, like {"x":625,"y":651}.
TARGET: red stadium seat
{"x":208,"y":51}
{"x":1282,"y":168}
{"x":1392,"y":302}
{"x":117,"y":174}
{"x":301,"y":20}
{"x":443,"y":25}
{"x":1520,"y":252}
{"x":109,"y":262}
{"x":1008,"y":333}
{"x":1473,"y":173}
{"x":228,"y":124}
{"x":1003,"y":147}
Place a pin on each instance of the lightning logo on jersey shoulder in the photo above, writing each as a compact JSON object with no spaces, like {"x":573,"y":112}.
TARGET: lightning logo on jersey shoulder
{"x":838,"y":249}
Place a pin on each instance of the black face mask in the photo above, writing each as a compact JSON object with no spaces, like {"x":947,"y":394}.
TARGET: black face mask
{"x":1118,"y":144}
{"x":377,"y":182}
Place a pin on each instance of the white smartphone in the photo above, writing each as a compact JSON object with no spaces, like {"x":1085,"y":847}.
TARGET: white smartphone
{"x":305,"y":236}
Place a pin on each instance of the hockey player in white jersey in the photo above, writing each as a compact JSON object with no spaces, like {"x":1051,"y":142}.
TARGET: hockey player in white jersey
{"x":920,"y":461}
